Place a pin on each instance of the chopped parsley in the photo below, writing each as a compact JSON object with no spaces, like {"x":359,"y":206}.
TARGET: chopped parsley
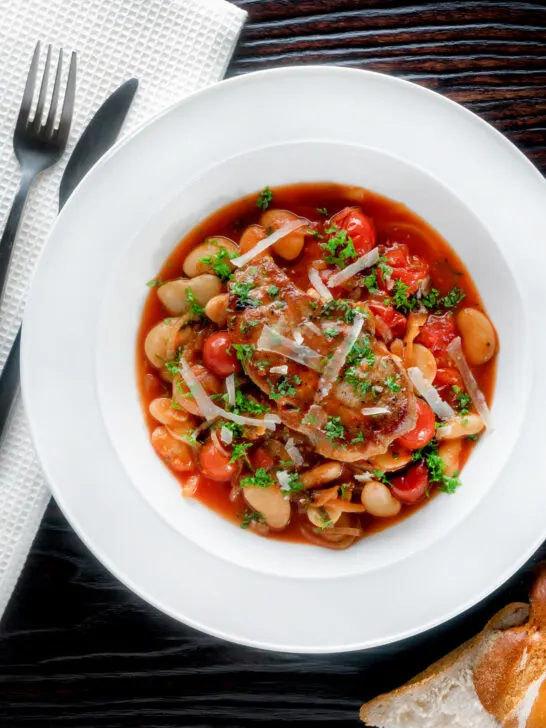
{"x":325,"y":521}
{"x":247,"y":405}
{"x":154,"y":283}
{"x":436,"y":468}
{"x":322,"y":211}
{"x":238,"y":451}
{"x":357,"y":439}
{"x":462,"y":399}
{"x":219,"y":263}
{"x":370,"y":281}
{"x":243,"y":352}
{"x":360,"y":350}
{"x":284,"y":387}
{"x":249,"y":516}
{"x":331,"y":333}
{"x":334,"y":429}
{"x":294,"y":485}
{"x":400,"y":297}
{"x":195,"y":307}
{"x":233,"y":427}
{"x":242,"y":291}
{"x":380,"y":475}
{"x":246,"y":325}
{"x":360,"y":385}
{"x":342,"y":307}
{"x":391,"y":383}
{"x":273,"y":290}
{"x":172,"y":368}
{"x":473,"y":438}
{"x":260,"y":479}
{"x":339,"y":247}
{"x":264,"y":198}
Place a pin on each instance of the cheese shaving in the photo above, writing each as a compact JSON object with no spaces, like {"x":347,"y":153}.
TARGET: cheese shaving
{"x":369,"y":411}
{"x":335,"y":364}
{"x":318,"y":284}
{"x":210,"y":411}
{"x":312,"y":327}
{"x":298,"y":337}
{"x":230,"y":389}
{"x":364,"y":477}
{"x":282,"y":369}
{"x":366,"y":261}
{"x":455,"y":351}
{"x":283,"y":478}
{"x":226,"y":435}
{"x":267,"y":242}
{"x":430,"y":394}
{"x":293,"y":453}
{"x":271,"y":340}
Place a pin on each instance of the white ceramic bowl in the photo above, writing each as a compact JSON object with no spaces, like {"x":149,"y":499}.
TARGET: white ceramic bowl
{"x":78,"y":357}
{"x":122,"y":308}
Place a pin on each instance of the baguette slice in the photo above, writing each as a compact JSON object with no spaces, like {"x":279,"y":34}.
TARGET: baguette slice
{"x":498,"y":678}
{"x":443,"y":696}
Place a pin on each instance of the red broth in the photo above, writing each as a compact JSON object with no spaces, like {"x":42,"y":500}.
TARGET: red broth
{"x":393,"y":222}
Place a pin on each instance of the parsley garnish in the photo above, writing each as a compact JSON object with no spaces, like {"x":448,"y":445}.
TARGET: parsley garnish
{"x":370,"y":281}
{"x":239,"y":451}
{"x":260,"y":479}
{"x":436,"y":468}
{"x":339,"y":247}
{"x":264,"y":198}
{"x":358,"y":438}
{"x":154,"y":283}
{"x":360,"y":386}
{"x":331,"y":333}
{"x":219,"y":263}
{"x":400,"y":297}
{"x":380,"y":475}
{"x":284,"y":387}
{"x":462,"y":399}
{"x":360,"y":350}
{"x":246,"y":325}
{"x":195,"y":306}
{"x":172,"y":368}
{"x":334,"y":429}
{"x":242,"y":290}
{"x":343,"y":307}
{"x":236,"y":429}
{"x":273,"y":290}
{"x":433,"y":301}
{"x":390,"y":383}
{"x":322,"y":211}
{"x":326,"y":522}
{"x":249,"y":516}
{"x":243,"y":352}
{"x":245,"y":404}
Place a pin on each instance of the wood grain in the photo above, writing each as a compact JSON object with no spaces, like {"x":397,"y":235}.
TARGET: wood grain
{"x":76,"y":648}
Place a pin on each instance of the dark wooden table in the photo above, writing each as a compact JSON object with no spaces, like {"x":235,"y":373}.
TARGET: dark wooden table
{"x":76,"y":648}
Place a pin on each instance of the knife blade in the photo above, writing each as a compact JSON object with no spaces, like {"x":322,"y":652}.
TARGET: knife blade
{"x":97,"y":138}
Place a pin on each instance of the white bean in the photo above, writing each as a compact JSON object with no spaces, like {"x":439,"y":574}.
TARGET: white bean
{"x":423,"y":359}
{"x":216,"y":309}
{"x":450,"y":452}
{"x":270,"y":503}
{"x":291,"y":245}
{"x":323,"y":517}
{"x":321,"y":474}
{"x":460,"y":426}
{"x":478,"y":336}
{"x":155,"y":346}
{"x":379,"y":501}
{"x":212,"y":246}
{"x":395,"y":458}
{"x":174,"y":294}
{"x":163,"y":411}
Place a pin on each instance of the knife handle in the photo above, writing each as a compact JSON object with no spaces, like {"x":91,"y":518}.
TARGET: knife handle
{"x":10,"y":384}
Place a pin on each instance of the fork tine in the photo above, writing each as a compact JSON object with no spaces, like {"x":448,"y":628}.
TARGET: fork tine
{"x":68,"y":103}
{"x":43,"y":91}
{"x":50,"y":123}
{"x":28,"y":93}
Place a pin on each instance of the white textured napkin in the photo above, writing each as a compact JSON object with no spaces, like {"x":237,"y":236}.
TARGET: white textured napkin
{"x":173,"y":47}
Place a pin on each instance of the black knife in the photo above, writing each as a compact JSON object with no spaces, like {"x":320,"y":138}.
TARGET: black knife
{"x":97,"y":138}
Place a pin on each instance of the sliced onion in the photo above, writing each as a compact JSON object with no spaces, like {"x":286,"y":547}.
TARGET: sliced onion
{"x":211,"y":411}
{"x":335,"y":364}
{"x":318,"y":284}
{"x":226,"y":435}
{"x":216,"y":440}
{"x":366,"y":261}
{"x":455,"y":351}
{"x":429,"y":393}
{"x":312,"y":327}
{"x":267,"y":242}
{"x":271,"y":340}
{"x":282,"y":369}
{"x":293,"y":453}
{"x":230,"y":389}
{"x":369,"y":411}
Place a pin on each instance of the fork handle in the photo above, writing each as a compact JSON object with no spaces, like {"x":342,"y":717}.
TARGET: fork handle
{"x":12,"y":225}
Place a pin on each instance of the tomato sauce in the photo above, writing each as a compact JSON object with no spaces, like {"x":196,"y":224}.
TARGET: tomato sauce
{"x":393,"y":222}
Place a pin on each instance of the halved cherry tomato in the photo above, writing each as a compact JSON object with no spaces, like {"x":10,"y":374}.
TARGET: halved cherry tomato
{"x":358,"y":227}
{"x":215,"y":464}
{"x":423,"y":432}
{"x":411,"y":487}
{"x":218,"y":355}
{"x":436,"y":334}
{"x":410,"y":269}
{"x":445,"y":380}
{"x":260,"y":458}
{"x":393,"y":318}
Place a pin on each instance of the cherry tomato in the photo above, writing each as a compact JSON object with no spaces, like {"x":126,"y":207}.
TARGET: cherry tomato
{"x":411,"y":487}
{"x":393,"y":318}
{"x":436,"y":334}
{"x":444,"y":382}
{"x":358,"y":227}
{"x":260,"y":458}
{"x":423,"y":431}
{"x":215,"y":464}
{"x":410,"y":269}
{"x":218,"y":355}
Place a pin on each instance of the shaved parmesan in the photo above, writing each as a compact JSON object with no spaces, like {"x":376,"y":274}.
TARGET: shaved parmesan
{"x":312,"y":327}
{"x":430,"y":394}
{"x":271,"y":340}
{"x":282,"y":369}
{"x":283,"y":478}
{"x":335,"y":364}
{"x":369,"y":411}
{"x":230,"y":389}
{"x":455,"y":351}
{"x":267,"y":242}
{"x":318,"y":284}
{"x":226,"y":436}
{"x":293,"y":452}
{"x":210,"y":411}
{"x":366,"y":261}
{"x":364,"y":477}
{"x":298,"y":338}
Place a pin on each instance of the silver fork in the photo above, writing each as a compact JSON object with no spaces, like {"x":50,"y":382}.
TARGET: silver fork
{"x":37,"y":144}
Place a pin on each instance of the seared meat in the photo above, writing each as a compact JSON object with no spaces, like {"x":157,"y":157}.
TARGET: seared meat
{"x":261,"y":294}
